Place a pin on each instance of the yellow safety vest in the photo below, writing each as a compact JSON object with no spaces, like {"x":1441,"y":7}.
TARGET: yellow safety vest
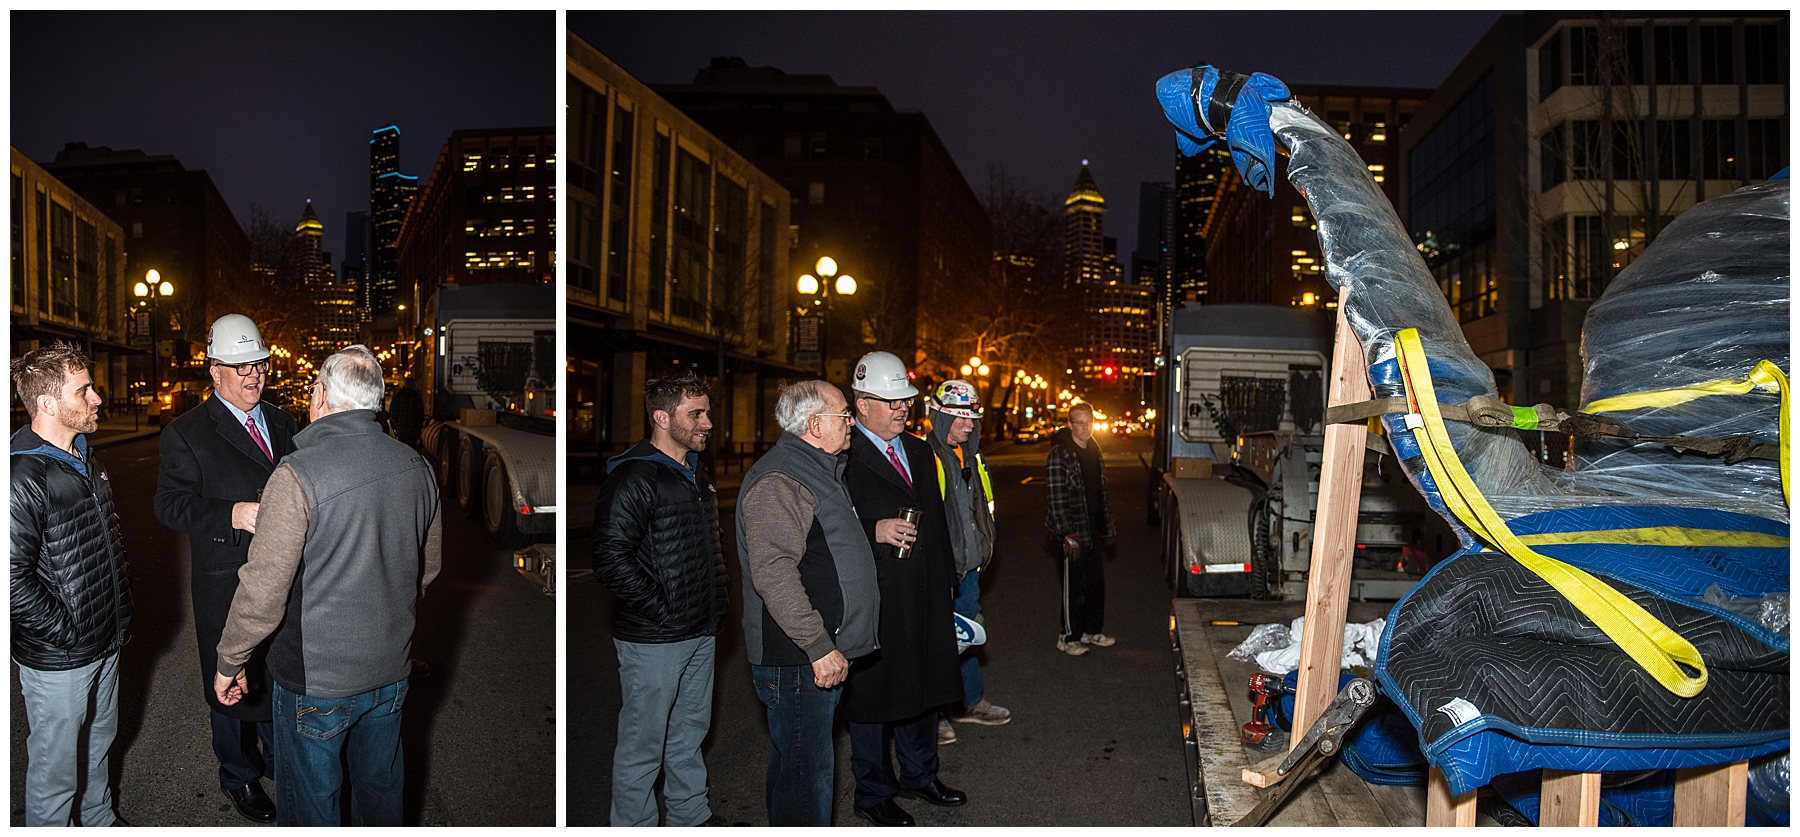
{"x":987,"y":486}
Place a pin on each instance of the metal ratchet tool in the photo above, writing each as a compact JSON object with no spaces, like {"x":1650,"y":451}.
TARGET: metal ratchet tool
{"x":1321,"y":742}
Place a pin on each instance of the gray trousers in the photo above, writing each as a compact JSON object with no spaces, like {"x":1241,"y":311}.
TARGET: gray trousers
{"x":60,"y":706}
{"x":664,"y":715}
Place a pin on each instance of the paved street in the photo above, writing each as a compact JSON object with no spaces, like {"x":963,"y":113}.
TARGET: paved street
{"x":479,"y":732}
{"x":1094,"y":741}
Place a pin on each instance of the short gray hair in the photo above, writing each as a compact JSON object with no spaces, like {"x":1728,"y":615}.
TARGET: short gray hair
{"x":351,"y":377}
{"x":800,"y":401}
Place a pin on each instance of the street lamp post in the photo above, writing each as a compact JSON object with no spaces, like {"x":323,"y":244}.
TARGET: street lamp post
{"x":823,"y":287}
{"x":150,"y":290}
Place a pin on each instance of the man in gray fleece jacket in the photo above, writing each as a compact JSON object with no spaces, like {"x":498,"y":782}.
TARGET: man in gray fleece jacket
{"x":347,"y":538}
{"x":810,"y":600}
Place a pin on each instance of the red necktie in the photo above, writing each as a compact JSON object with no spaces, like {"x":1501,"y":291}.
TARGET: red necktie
{"x":250,"y":422}
{"x":895,"y":458}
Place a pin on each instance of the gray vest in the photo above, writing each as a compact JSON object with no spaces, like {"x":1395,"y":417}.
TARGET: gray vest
{"x":822,"y":474}
{"x":370,"y":500}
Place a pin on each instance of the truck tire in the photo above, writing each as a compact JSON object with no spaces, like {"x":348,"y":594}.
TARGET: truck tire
{"x":444,"y":460}
{"x":468,"y":477}
{"x":498,"y":516}
{"x":1263,"y":569}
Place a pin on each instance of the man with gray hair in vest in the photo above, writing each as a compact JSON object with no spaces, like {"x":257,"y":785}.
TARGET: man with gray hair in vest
{"x":810,"y":599}
{"x":358,"y":511}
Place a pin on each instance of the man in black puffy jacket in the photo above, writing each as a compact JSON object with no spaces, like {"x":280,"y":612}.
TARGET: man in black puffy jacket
{"x":656,"y":547}
{"x":71,"y":597}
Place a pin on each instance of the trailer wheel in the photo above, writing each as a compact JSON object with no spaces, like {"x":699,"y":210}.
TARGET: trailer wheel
{"x":1263,"y":572}
{"x":468,"y":477}
{"x":444,"y":450}
{"x":497,"y":514}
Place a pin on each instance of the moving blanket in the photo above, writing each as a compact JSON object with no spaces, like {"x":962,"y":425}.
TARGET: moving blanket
{"x":1499,"y":671}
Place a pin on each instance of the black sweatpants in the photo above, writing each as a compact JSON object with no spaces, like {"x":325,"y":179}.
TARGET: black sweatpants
{"x":1083,"y":592}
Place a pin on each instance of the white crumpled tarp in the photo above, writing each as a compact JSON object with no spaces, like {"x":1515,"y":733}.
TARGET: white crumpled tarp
{"x":1360,"y":642}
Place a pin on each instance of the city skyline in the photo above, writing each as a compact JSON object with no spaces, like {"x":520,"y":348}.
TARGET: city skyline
{"x":1037,"y":93}
{"x":278,"y":108}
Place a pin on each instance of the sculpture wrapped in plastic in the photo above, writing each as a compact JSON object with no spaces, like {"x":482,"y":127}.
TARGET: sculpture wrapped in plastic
{"x":1573,"y":630}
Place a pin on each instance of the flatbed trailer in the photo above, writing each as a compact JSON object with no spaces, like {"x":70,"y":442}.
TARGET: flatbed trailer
{"x":1215,"y":704}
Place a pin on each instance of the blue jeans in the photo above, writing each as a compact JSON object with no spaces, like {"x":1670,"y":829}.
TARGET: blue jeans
{"x":801,"y":759}
{"x":57,"y":708}
{"x":968,"y":603}
{"x":667,"y":709}
{"x":316,"y":737}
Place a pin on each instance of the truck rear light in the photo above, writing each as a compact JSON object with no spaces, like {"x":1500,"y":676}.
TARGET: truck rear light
{"x":1219,"y":568}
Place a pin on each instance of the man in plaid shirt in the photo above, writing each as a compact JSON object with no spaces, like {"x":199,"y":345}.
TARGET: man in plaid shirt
{"x":1078,"y":524}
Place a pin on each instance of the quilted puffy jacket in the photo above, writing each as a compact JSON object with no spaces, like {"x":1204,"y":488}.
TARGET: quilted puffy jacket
{"x":71,"y":596}
{"x":657,"y":547}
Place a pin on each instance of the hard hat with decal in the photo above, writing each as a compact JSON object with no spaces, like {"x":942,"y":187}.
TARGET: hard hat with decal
{"x":234,"y":339}
{"x":882,"y":375}
{"x":956,"y":398}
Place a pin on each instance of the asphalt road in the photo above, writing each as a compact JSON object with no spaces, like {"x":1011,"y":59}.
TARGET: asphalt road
{"x":1094,"y":741}
{"x":478,"y":733}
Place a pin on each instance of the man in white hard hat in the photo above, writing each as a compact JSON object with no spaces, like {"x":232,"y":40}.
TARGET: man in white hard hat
{"x":895,"y":694}
{"x":215,"y":461}
{"x":968,"y":493}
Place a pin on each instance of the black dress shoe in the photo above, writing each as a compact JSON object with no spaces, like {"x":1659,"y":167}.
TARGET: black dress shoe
{"x":252,"y":802}
{"x":937,"y":793}
{"x":886,"y":813}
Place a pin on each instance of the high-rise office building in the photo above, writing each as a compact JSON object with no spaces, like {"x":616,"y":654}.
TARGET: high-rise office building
{"x":677,"y":261}
{"x":873,"y":188}
{"x":175,"y":222}
{"x":1506,"y":170}
{"x":354,"y":269}
{"x":1259,"y":250}
{"x":333,"y":320}
{"x":68,"y":279}
{"x":1197,"y":181}
{"x":390,"y":192}
{"x":1084,"y":225}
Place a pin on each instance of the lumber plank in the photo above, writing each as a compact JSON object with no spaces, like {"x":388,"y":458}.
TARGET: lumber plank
{"x":1711,"y":796}
{"x":1443,"y":810}
{"x":1334,"y":536}
{"x":1569,"y":798}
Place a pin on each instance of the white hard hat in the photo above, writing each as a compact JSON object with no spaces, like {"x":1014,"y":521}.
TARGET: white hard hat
{"x":956,"y":398}
{"x":882,"y":375}
{"x":234,"y":339}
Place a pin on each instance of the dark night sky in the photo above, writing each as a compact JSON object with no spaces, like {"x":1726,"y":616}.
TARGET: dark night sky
{"x":1036,"y":92}
{"x":277,"y":107}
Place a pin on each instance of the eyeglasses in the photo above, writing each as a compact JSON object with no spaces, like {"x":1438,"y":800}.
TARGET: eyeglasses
{"x":896,"y":404}
{"x":245,"y":370}
{"x":845,"y":416}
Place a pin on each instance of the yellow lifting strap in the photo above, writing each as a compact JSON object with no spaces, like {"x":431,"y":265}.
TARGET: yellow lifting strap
{"x":1649,"y":642}
{"x":1764,"y":376}
{"x":987,"y":485}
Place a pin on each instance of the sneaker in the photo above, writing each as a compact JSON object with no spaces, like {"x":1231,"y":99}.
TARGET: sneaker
{"x":1071,"y":648}
{"x":985,"y":713}
{"x":1100,"y":640}
{"x":946,"y":733}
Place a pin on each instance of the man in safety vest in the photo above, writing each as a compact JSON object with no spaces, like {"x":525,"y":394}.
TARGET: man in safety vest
{"x":968,"y":494}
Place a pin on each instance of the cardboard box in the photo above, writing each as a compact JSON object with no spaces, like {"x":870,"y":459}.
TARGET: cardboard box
{"x":1191,"y":468}
{"x":480,"y":418}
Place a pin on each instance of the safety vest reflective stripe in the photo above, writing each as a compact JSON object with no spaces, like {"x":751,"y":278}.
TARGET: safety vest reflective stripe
{"x":987,"y":485}
{"x":1646,"y":640}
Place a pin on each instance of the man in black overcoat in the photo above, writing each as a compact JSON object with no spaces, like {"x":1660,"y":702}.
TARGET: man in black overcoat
{"x":214,"y":466}
{"x":894,"y":693}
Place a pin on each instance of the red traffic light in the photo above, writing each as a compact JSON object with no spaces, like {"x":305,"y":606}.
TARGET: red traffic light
{"x":1108,"y":371}
{"x":911,"y":375}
